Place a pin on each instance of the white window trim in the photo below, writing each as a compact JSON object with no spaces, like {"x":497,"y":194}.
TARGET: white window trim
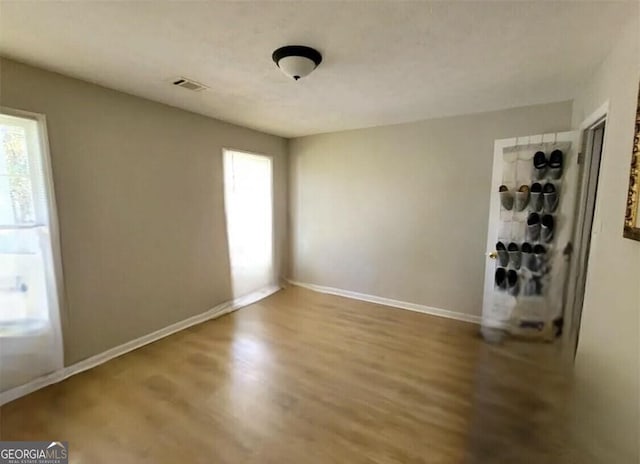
{"x":53,"y":226}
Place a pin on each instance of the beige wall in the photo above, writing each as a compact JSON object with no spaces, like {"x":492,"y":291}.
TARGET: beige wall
{"x":401,"y":211}
{"x":608,"y":350}
{"x":140,"y":203}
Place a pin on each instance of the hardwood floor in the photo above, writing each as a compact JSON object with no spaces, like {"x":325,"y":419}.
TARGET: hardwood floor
{"x":303,"y":377}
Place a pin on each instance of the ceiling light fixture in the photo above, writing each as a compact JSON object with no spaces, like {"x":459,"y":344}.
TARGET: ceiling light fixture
{"x":296,"y":61}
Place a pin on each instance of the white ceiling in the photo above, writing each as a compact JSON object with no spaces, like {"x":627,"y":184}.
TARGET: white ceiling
{"x":384,"y":62}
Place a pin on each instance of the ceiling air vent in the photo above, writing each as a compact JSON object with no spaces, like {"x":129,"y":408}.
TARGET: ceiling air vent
{"x":189,"y":84}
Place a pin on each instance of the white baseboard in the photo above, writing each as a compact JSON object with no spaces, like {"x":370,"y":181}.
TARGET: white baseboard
{"x":108,"y":355}
{"x":254,"y":297}
{"x":389,"y":302}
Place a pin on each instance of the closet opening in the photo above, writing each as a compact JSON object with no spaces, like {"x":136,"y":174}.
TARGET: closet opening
{"x":248,"y":194}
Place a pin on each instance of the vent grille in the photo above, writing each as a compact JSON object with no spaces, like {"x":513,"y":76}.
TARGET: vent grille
{"x":189,"y":84}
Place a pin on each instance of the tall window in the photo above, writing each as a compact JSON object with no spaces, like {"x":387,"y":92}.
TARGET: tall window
{"x":27,"y":271}
{"x":30,"y":338}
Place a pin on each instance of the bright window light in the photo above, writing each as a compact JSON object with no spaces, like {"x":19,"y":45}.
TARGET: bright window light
{"x":248,"y":204}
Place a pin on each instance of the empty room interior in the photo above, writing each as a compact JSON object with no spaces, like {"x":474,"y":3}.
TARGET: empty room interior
{"x":319,"y":232}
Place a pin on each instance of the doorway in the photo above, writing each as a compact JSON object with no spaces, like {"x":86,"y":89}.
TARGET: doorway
{"x":248,"y":194}
{"x":585,"y":230}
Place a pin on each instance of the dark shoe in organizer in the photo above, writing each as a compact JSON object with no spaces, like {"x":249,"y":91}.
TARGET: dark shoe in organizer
{"x":501,"y":278}
{"x":535,"y":201}
{"x":515,"y":257}
{"x":546,"y":228}
{"x":539,"y":165}
{"x":556,"y":162}
{"x":533,"y":226}
{"x":540,"y":257}
{"x":527,"y":256}
{"x":551,"y":197}
{"x":513,"y":282}
{"x":503,"y":254}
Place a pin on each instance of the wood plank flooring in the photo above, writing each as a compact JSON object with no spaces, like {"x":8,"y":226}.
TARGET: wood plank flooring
{"x":303,"y":377}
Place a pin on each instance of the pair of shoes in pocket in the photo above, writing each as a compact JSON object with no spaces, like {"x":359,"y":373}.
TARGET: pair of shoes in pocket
{"x":514,"y":200}
{"x":508,"y":254}
{"x":533,"y":286}
{"x":540,"y":227}
{"x":507,"y":280}
{"x":546,"y":197}
{"x":538,"y":197}
{"x":551,"y":166}
{"x":533,"y":257}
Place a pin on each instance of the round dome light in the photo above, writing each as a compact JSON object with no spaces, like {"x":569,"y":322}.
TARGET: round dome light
{"x":296,"y":61}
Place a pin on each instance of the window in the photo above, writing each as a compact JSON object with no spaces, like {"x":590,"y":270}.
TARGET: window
{"x":28,"y":295}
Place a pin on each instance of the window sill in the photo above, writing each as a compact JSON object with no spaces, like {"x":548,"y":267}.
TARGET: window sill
{"x":23,"y":328}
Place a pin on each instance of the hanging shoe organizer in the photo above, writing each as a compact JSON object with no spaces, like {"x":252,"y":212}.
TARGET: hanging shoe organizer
{"x":530,"y":268}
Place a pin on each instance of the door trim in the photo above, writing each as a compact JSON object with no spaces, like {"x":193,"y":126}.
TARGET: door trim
{"x":575,"y":292}
{"x":275,"y":253}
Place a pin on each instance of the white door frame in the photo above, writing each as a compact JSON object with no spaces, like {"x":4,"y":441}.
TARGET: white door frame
{"x":575,"y":291}
{"x":239,"y":301}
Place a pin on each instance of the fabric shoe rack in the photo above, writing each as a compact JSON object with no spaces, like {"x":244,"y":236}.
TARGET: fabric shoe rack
{"x":530,"y":266}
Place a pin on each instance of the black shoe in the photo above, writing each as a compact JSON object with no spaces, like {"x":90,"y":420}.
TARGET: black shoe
{"x":537,"y":325}
{"x":540,"y":255}
{"x":537,"y":285}
{"x":535,"y":202}
{"x":501,"y":278}
{"x":526,"y":255}
{"x":513,"y":285}
{"x":550,"y":195}
{"x":503,"y":254}
{"x":539,"y":165}
{"x":515,"y":257}
{"x":539,"y":249}
{"x":547,"y":227}
{"x":556,"y":161}
{"x":533,"y":226}
{"x":506,"y":197}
